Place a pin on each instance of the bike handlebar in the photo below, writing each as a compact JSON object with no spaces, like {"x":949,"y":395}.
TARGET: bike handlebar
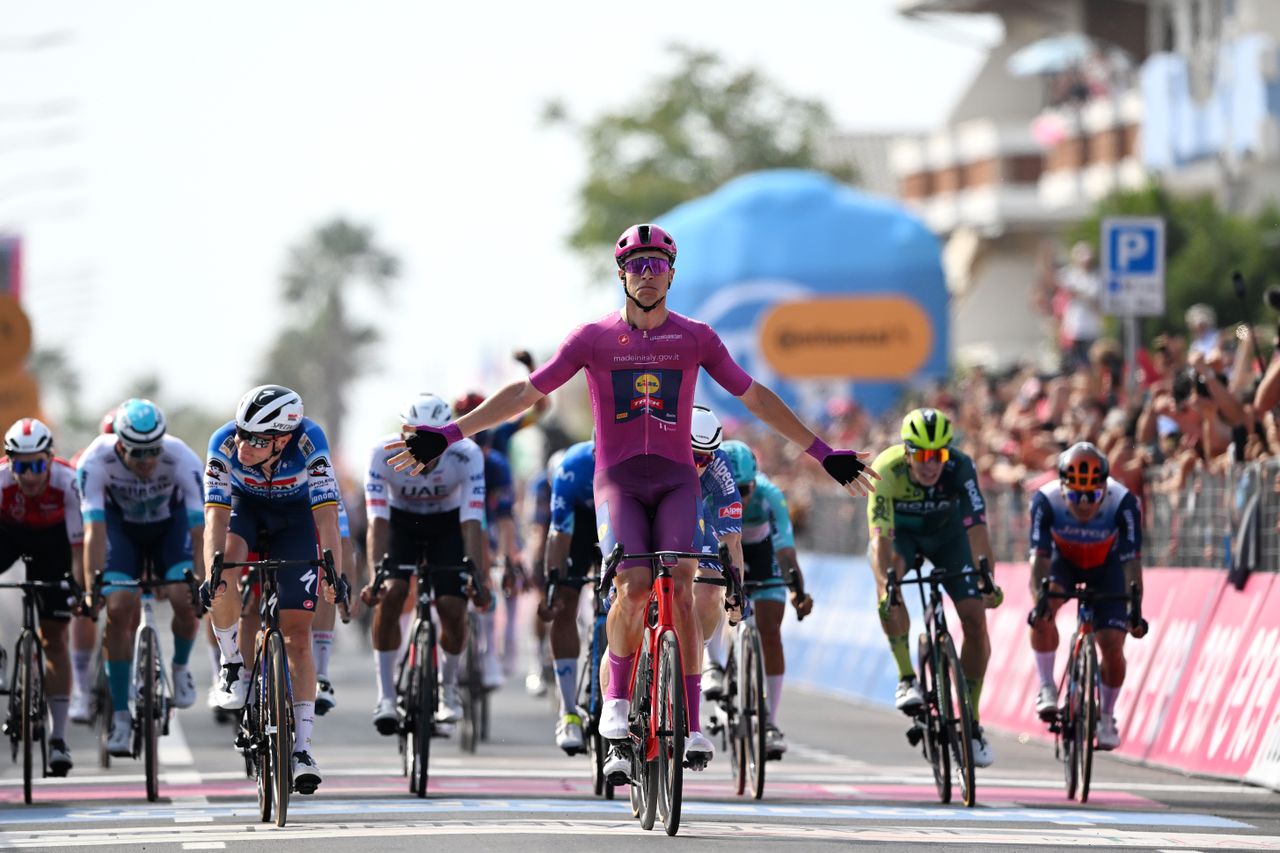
{"x":1088,"y":596}
{"x":325,"y":563}
{"x":893,"y":585}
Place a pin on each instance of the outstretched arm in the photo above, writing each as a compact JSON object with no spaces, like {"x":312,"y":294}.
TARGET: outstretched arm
{"x":501,"y":407}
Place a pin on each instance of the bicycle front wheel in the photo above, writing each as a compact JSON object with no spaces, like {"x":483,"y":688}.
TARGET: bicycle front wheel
{"x":755,"y":711}
{"x":959,"y":720}
{"x":733,"y":722}
{"x":1068,"y":726}
{"x":424,"y":681}
{"x":279,"y":726}
{"x":26,"y":681}
{"x":672,"y":724}
{"x":935,"y":699}
{"x":645,"y":786}
{"x":101,"y":713}
{"x":148,"y":660}
{"x":472,"y":687}
{"x":1087,"y":720}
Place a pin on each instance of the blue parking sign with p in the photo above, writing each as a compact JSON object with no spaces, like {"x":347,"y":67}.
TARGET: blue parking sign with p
{"x":1133,"y":265}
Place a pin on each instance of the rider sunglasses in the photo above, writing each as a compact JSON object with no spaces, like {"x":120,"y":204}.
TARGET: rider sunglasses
{"x":1088,"y":496}
{"x":637,"y":266}
{"x":35,"y":466}
{"x":702,"y":460}
{"x":144,"y":452}
{"x":744,"y":489}
{"x":920,"y":454}
{"x":253,"y":439}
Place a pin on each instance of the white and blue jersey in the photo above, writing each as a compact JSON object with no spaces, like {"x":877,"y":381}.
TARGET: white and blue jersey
{"x":721,"y":494}
{"x":303,"y":472}
{"x":573,"y":506}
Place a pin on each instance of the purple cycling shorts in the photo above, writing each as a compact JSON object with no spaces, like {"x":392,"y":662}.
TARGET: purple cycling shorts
{"x":648,"y":503}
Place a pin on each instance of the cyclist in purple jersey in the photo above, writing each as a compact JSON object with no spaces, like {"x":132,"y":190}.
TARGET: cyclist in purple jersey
{"x":641,"y":366}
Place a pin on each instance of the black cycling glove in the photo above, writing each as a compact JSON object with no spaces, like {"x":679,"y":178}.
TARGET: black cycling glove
{"x":844,"y":466}
{"x":426,"y":445}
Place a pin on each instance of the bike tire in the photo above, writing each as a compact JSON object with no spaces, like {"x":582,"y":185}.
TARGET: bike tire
{"x":1088,"y":720}
{"x":281,"y":740}
{"x":733,"y":721}
{"x":471,"y":686}
{"x":959,"y":720}
{"x":646,"y":770}
{"x":425,"y":698}
{"x":148,"y":711}
{"x":1068,"y":724}
{"x":100,"y":708}
{"x":936,"y":749}
{"x":26,"y":681}
{"x":673,"y":723}
{"x":756,"y":714}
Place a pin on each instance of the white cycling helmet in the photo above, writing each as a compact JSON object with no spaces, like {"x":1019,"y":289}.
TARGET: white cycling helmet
{"x":28,"y":436}
{"x":553,"y":463}
{"x":270,"y":410}
{"x":138,"y":423}
{"x":706,"y":429}
{"x":425,"y":410}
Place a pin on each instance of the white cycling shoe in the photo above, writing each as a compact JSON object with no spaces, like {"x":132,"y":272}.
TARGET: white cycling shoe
{"x":184,"y":687}
{"x":1108,"y":732}
{"x":79,"y":709}
{"x":233,"y":687}
{"x":569,"y":733}
{"x":450,"y":707}
{"x":385,"y":718}
{"x":306,"y":773}
{"x":982,"y":755}
{"x":698,"y":751}
{"x":326,"y":700}
{"x":1047,"y":703}
{"x":908,"y":697}
{"x":493,"y":674}
{"x":613,"y":719}
{"x":120,"y":741}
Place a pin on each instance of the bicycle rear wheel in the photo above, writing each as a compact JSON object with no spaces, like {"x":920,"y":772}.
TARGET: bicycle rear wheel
{"x":935,"y":743}
{"x":424,"y":693}
{"x":279,"y":726}
{"x":472,"y":686}
{"x":673,"y":722}
{"x":959,"y":721}
{"x":1087,"y":722}
{"x":755,"y":711}
{"x":733,"y":723}
{"x":148,"y":711}
{"x":26,"y":682}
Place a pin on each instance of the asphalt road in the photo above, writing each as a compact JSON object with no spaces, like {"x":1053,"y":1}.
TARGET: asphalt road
{"x":850,"y":777}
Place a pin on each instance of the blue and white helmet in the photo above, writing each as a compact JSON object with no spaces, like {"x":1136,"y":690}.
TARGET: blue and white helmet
{"x":139,"y":423}
{"x":425,"y":410}
{"x":270,"y":410}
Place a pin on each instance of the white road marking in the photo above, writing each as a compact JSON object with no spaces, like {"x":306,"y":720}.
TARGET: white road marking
{"x":205,"y":845}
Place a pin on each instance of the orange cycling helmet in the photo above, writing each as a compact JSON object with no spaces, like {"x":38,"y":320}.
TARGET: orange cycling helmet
{"x":1083,"y":467}
{"x":466,"y":403}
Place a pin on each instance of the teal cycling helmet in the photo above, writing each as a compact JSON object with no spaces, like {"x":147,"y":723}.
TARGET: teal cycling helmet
{"x":139,"y":423}
{"x":742,"y":462}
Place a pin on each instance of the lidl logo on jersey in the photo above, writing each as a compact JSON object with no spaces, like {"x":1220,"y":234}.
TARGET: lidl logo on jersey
{"x":652,"y":392}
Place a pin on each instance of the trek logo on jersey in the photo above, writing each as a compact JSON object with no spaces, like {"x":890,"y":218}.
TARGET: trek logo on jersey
{"x":733,"y":510}
{"x":652,"y":392}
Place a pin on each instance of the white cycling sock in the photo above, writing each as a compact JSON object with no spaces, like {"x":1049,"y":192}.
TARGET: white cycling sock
{"x":490,"y":631}
{"x":1107,"y":699}
{"x":1044,"y":666}
{"x":387,"y":673}
{"x":304,"y":717}
{"x":449,"y":665}
{"x":567,"y":681}
{"x":715,"y":643}
{"x":215,"y":660}
{"x":227,"y":644}
{"x":80,"y":661}
{"x":321,"y":646}
{"x":773,"y":684}
{"x":58,"y":706}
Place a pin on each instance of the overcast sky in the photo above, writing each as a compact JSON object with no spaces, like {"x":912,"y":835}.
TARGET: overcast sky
{"x":162,"y":156}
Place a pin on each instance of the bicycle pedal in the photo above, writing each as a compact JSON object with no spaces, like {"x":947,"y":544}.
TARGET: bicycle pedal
{"x":696,"y":764}
{"x":618,"y":780}
{"x":776,"y":756}
{"x":305,"y":788}
{"x":914,"y":735}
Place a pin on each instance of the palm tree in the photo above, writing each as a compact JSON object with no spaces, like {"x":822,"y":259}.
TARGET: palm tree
{"x":324,"y":353}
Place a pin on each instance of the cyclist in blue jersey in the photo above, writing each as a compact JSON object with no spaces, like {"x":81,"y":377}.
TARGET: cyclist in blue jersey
{"x":723,"y":503}
{"x":769,"y":552}
{"x":641,"y":364}
{"x":538,"y":522}
{"x":572,"y":552}
{"x":142,"y":500}
{"x":1086,"y":528}
{"x":269,"y":488}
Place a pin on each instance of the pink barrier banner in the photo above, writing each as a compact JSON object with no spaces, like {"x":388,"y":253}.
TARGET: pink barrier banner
{"x":1219,"y":714}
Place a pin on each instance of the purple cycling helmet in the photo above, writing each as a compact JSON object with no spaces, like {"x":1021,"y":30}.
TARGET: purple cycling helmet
{"x":640,"y":237}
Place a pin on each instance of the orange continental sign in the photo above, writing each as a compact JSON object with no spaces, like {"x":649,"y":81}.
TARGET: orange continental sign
{"x":15,"y":333}
{"x":855,"y":337}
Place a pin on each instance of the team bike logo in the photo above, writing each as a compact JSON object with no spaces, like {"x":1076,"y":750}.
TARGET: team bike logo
{"x":646,"y":392}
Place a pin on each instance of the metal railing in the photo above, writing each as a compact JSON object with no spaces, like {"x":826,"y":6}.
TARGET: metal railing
{"x":1211,"y":520}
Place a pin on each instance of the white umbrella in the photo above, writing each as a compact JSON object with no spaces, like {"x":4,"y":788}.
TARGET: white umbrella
{"x":1050,"y":55}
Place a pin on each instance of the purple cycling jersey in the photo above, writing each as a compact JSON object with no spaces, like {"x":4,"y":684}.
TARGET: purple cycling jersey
{"x":641,"y":383}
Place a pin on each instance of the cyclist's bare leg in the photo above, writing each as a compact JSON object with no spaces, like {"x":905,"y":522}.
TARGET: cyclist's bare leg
{"x":386,"y":615}
{"x":769,"y":622}
{"x":452,"y":610}
{"x":226,"y":611}
{"x":625,"y":624}
{"x":688,"y":628}
{"x":897,"y":622}
{"x":564,"y":623}
{"x":124,"y":611}
{"x":708,"y":603}
{"x":976,"y":650}
{"x":84,"y":639}
{"x":184,"y":624}
{"x":1111,"y":647}
{"x":296,"y":627}
{"x":1044,"y":632}
{"x":57,"y":658}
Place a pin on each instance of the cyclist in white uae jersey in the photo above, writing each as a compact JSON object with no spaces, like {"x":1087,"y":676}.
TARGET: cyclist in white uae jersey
{"x":437,"y":517}
{"x":142,"y":498}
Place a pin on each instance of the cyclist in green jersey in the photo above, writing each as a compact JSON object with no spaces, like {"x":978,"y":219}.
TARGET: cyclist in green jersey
{"x":928,"y":503}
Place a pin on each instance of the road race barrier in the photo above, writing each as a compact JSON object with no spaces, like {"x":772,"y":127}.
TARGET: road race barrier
{"x":1202,"y":690}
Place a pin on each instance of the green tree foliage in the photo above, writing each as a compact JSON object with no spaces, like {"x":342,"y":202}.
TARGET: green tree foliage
{"x":1204,"y":246}
{"x":686,"y":134}
{"x":327,"y":350}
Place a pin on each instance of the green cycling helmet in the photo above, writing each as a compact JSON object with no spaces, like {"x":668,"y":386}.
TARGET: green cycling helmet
{"x":742,"y":462}
{"x":926,"y":429}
